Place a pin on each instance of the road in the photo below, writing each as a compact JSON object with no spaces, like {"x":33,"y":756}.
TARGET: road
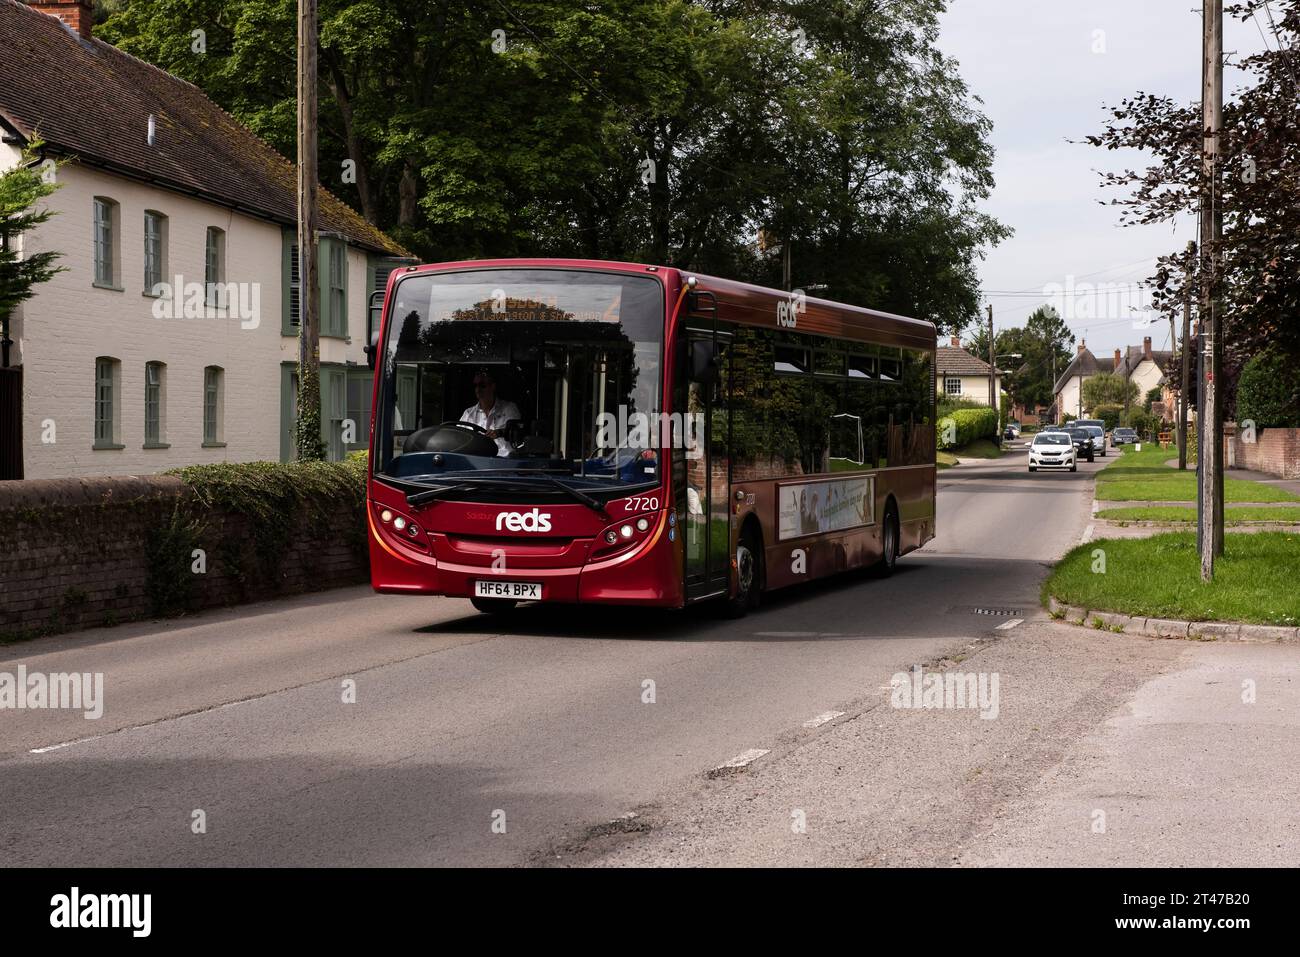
{"x":473,"y":741}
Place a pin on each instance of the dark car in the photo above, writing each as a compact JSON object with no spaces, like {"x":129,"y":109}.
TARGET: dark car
{"x":1084,"y":444}
{"x":1123,"y":436}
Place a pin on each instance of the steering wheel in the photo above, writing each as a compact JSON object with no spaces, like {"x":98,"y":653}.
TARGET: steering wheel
{"x":451,"y":436}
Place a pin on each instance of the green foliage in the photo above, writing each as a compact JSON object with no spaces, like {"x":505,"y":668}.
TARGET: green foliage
{"x":170,"y":583}
{"x":21,"y":188}
{"x":276,"y":497}
{"x":1145,"y":423}
{"x":1268,"y":392}
{"x":306,"y":432}
{"x":964,"y":426}
{"x":860,"y":145}
{"x":1109,"y":414}
{"x":1106,"y":388}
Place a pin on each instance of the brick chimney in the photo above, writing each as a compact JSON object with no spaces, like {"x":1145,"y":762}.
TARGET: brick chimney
{"x":1146,"y":349}
{"x":956,"y":342}
{"x":1118,"y":359}
{"x":79,"y":15}
{"x":1083,"y":345}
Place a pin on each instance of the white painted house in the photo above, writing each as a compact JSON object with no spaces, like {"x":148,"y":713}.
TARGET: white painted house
{"x":1141,"y":365}
{"x":171,"y":338}
{"x":961,"y":375}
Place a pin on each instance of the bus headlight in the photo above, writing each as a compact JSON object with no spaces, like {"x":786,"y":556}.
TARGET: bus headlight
{"x":611,"y":536}
{"x":642,"y":524}
{"x":625,"y":531}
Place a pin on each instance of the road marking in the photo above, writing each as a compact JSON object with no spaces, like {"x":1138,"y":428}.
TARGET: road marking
{"x":1008,"y":625}
{"x":743,"y":759}
{"x":1096,"y":506}
{"x":822,"y":718}
{"x":65,"y":744}
{"x":1087,"y":534}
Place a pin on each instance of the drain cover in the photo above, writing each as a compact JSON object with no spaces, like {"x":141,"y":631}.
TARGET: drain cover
{"x":993,"y":611}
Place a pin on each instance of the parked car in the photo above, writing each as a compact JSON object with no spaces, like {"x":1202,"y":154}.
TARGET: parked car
{"x":1085,"y":446}
{"x":1052,"y":450}
{"x":1123,"y":436}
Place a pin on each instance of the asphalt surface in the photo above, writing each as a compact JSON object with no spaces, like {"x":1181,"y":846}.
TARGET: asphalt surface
{"x":474,"y":741}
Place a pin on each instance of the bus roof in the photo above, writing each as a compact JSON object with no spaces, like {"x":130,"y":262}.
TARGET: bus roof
{"x":737,"y":301}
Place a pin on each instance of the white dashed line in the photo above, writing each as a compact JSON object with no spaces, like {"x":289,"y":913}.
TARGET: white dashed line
{"x":822,"y":718}
{"x":743,"y":759}
{"x":1087,"y":534}
{"x":1096,"y":506}
{"x":1008,"y":625}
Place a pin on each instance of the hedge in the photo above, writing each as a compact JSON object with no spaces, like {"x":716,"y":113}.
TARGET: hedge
{"x":1109,"y":414}
{"x":965,"y":426}
{"x":1268,"y":392}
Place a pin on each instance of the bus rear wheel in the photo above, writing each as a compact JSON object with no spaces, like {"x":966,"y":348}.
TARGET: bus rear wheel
{"x":889,"y":544}
{"x":494,"y":606}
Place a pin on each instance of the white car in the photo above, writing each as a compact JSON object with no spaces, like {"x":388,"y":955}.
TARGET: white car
{"x":1052,"y":450}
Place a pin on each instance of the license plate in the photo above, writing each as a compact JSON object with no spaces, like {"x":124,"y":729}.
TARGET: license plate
{"x":521,"y":591}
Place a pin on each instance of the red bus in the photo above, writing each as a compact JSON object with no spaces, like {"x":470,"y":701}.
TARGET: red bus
{"x":605,"y":432}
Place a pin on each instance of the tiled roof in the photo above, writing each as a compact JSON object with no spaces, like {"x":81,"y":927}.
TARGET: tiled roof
{"x":957,"y":361}
{"x":87,"y":99}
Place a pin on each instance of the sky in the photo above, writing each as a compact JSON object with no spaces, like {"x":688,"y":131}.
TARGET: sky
{"x":1045,"y":70}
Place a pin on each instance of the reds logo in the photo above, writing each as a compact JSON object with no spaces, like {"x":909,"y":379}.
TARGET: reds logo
{"x":534,"y":521}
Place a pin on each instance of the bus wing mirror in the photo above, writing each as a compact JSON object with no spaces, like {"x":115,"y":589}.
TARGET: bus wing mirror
{"x":372,"y":350}
{"x":704,"y":362}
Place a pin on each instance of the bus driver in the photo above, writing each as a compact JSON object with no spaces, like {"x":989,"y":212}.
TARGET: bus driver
{"x":489,"y":412}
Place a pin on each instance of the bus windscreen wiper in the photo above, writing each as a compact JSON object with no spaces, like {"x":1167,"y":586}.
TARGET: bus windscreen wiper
{"x":574,"y":493}
{"x":428,"y":495}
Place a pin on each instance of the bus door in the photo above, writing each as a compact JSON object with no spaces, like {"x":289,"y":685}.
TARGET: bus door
{"x":707,"y":507}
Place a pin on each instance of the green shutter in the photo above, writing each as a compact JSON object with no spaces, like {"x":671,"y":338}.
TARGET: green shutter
{"x":287,"y":369}
{"x":287,"y":240}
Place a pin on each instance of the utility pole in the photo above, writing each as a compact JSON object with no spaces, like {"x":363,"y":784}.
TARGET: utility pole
{"x":307,"y":433}
{"x":1185,"y":357}
{"x":993,"y":403}
{"x":1210,"y":447}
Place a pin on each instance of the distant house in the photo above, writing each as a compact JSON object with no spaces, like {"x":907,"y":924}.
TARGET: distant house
{"x":171,"y":339}
{"x":960,"y":375}
{"x":1141,"y":365}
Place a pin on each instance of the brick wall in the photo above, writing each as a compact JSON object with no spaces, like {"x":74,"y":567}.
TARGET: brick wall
{"x":79,"y":553}
{"x":1276,"y":451}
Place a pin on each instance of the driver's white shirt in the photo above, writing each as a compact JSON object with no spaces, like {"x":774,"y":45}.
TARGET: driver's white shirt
{"x":494,"y":419}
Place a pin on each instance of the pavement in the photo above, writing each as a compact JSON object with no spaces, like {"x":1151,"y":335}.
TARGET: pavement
{"x":347,"y":728}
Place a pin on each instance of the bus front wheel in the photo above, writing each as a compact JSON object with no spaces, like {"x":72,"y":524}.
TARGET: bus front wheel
{"x":749,"y":575}
{"x":494,"y":606}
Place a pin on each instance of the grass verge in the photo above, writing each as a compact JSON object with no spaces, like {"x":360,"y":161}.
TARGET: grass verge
{"x":1187,"y":513}
{"x":1160,"y":577}
{"x":1144,"y":477}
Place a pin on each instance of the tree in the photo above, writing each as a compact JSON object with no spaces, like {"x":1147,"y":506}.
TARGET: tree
{"x":21,"y":188}
{"x":1260,"y":155}
{"x":1044,"y":346}
{"x":666,"y":131}
{"x":1106,"y":388}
